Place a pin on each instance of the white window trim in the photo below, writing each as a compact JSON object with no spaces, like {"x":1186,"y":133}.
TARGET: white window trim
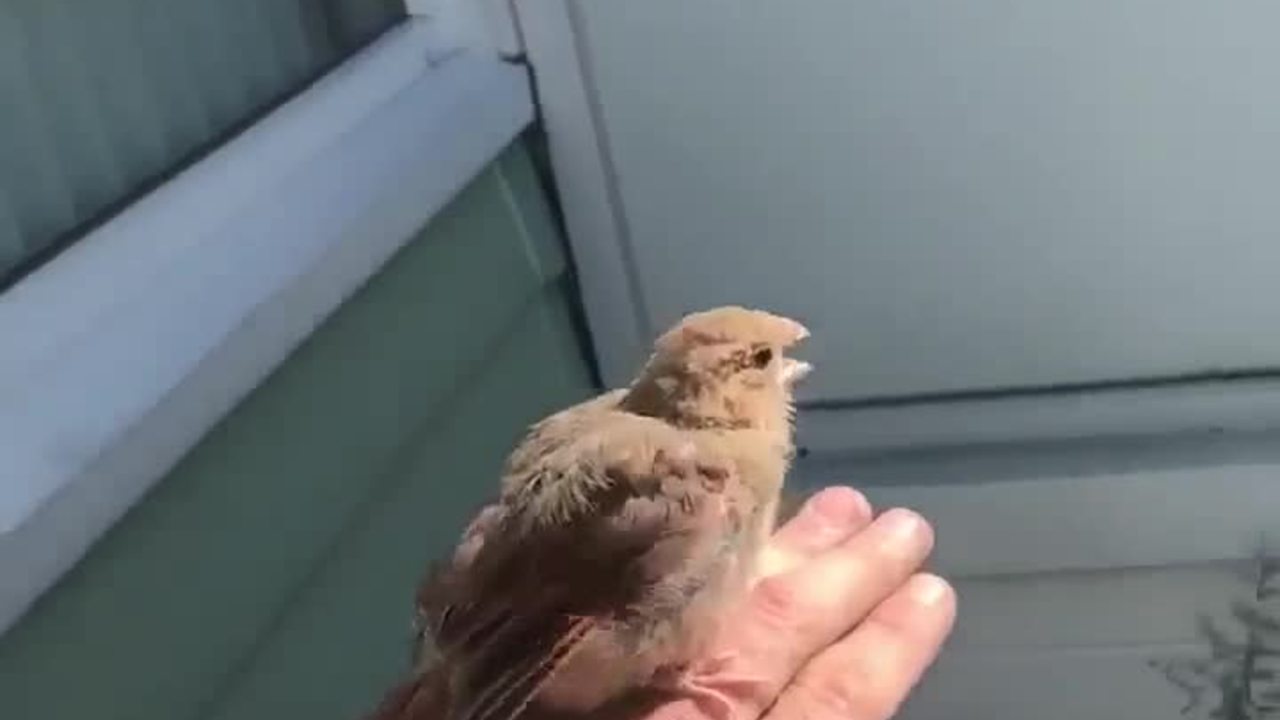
{"x":125,"y":350}
{"x":586,"y":181}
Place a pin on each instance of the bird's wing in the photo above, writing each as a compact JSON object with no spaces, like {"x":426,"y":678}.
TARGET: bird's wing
{"x":604,"y":520}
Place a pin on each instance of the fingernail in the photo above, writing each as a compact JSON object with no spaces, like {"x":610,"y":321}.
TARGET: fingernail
{"x":928,"y":589}
{"x":839,"y":505}
{"x":900,"y":525}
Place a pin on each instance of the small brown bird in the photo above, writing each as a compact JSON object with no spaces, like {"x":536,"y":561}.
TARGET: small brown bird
{"x":624,"y":526}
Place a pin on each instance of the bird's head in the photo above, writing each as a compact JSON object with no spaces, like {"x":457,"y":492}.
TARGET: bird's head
{"x":724,"y":367}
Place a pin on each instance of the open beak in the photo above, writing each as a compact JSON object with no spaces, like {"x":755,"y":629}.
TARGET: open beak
{"x":793,"y":333}
{"x":793,"y":371}
{"x":798,"y":333}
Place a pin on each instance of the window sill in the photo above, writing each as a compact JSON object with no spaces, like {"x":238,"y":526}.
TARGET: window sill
{"x":124,"y":351}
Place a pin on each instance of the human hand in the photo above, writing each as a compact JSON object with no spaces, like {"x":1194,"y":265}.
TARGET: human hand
{"x":842,"y":626}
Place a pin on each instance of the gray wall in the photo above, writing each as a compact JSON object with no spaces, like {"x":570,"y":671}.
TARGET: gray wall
{"x":956,"y":196}
{"x":1036,"y":243}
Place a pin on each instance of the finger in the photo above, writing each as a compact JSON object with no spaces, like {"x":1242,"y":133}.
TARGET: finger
{"x":789,"y":618}
{"x":827,"y":519}
{"x":868,"y":674}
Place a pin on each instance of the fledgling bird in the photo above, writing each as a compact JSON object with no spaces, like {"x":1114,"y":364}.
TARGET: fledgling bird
{"x":624,"y":527}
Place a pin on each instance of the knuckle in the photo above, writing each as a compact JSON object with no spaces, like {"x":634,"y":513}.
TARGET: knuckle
{"x":776,"y":559}
{"x":776,"y":602}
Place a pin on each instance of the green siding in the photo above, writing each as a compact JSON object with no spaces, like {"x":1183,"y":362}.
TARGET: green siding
{"x":271,"y":574}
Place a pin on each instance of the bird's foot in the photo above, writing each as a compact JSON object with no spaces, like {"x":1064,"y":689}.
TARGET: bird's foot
{"x":718,"y":690}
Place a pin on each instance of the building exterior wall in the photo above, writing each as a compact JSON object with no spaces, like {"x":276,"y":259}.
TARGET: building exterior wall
{"x":271,"y":574}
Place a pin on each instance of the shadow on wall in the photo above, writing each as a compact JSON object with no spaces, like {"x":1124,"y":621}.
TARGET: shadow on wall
{"x":1240,"y":677}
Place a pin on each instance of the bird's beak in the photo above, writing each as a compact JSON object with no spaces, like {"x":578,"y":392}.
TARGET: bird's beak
{"x":797,"y":332}
{"x":793,"y":371}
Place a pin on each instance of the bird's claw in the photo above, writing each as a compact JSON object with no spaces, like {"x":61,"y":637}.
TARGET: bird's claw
{"x":714,"y":687}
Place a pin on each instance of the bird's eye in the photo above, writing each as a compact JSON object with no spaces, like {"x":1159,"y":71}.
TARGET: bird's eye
{"x":762,"y":357}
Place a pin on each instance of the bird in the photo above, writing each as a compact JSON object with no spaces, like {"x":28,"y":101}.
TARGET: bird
{"x":622,"y":529}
